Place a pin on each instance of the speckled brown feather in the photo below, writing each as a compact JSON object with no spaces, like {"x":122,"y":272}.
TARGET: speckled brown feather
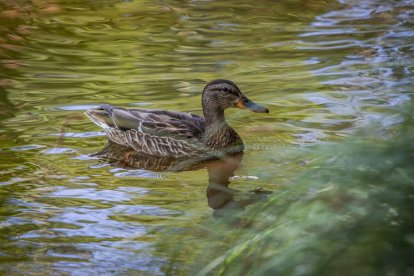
{"x":153,"y":132}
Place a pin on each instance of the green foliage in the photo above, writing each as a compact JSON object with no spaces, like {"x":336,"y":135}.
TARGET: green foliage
{"x":350,"y":212}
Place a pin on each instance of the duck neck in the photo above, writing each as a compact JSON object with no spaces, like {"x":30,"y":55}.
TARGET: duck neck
{"x":214,"y":119}
{"x":218,"y":134}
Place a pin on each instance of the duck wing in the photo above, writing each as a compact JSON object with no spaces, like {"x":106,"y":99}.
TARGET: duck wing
{"x":126,"y":157}
{"x":154,"y":132}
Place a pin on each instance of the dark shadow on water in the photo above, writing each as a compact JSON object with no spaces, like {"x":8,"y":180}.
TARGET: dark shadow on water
{"x":222,"y":198}
{"x":220,"y":170}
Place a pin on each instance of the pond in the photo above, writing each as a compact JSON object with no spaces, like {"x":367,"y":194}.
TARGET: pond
{"x":324,"y":69}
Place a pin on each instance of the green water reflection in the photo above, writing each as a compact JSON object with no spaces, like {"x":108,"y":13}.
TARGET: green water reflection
{"x":323,"y":68}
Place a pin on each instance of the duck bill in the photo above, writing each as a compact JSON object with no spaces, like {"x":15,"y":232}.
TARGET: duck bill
{"x":246,"y":103}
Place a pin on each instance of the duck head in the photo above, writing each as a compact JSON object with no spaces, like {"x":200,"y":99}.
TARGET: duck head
{"x":221,"y":94}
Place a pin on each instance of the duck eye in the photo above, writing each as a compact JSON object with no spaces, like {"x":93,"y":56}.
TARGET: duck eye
{"x":226,"y":89}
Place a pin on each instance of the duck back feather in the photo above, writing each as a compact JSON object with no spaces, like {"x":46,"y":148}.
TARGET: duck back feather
{"x":153,"y":132}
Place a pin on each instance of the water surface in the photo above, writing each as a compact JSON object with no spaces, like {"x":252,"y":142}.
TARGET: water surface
{"x":323,"y":68}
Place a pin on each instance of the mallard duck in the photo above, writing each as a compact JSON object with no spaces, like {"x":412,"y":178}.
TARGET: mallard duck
{"x":178,"y":134}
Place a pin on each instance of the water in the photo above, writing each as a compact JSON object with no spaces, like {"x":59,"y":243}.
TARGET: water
{"x":323,"y":68}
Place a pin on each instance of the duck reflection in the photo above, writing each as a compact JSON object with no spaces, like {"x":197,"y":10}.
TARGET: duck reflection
{"x":220,"y":171}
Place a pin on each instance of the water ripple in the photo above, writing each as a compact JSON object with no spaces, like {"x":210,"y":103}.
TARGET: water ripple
{"x":323,"y":68}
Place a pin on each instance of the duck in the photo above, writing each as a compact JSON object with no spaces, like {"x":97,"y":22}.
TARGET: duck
{"x":178,"y":134}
